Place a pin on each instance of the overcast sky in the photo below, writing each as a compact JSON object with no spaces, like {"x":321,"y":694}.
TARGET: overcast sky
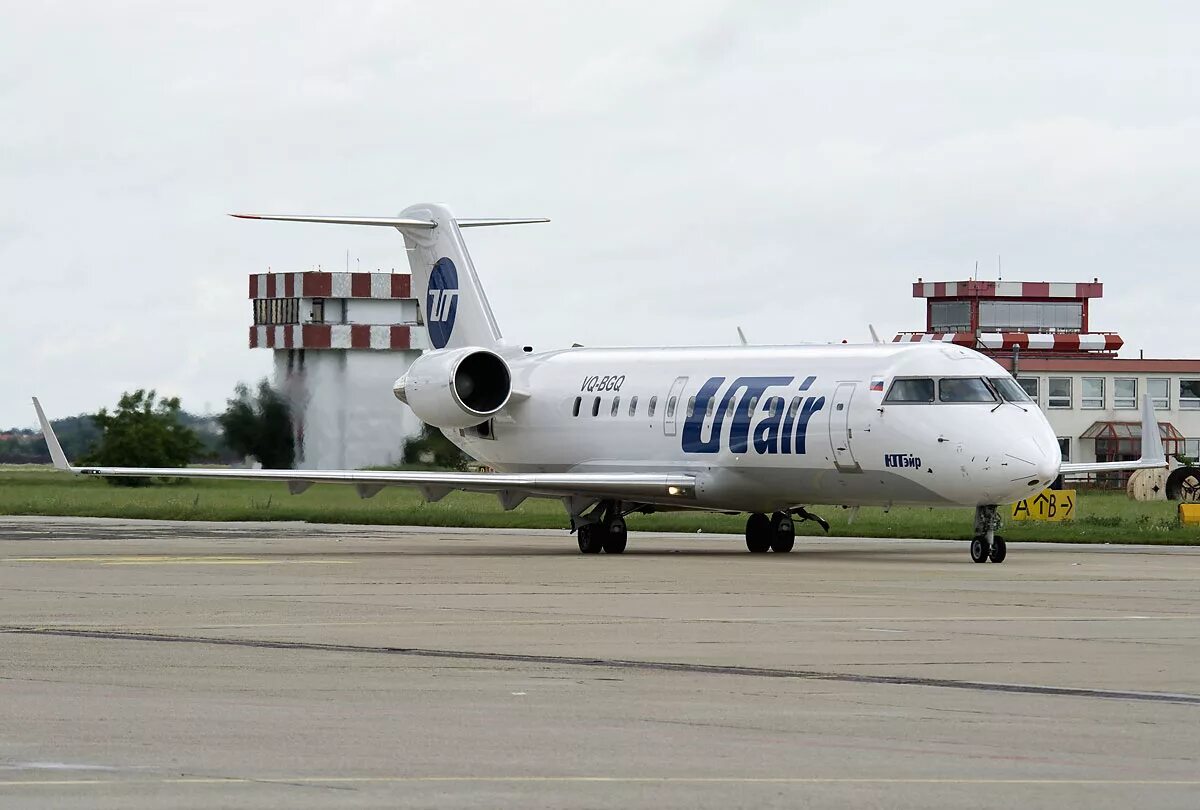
{"x":788,"y":167}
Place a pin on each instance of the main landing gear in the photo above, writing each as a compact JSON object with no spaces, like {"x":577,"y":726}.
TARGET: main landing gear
{"x":608,"y":534}
{"x":986,"y":544}
{"x":778,"y":532}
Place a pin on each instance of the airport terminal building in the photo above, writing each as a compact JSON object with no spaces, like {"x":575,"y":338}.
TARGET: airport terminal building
{"x":1041,"y":332}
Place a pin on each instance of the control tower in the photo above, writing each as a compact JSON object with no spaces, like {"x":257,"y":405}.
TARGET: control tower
{"x":340,"y":340}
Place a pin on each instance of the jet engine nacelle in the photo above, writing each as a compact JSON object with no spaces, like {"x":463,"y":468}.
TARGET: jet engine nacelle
{"x":455,"y":388}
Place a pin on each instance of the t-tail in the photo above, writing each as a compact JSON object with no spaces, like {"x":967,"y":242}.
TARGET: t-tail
{"x":454,"y":308}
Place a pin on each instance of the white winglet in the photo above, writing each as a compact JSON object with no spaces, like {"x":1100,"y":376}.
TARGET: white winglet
{"x":1154,"y":456}
{"x":1153,"y":452}
{"x":56,"y":452}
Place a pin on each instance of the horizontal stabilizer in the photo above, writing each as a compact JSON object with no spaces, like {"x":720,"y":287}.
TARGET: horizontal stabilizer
{"x":389,"y":222}
{"x":483,"y":223}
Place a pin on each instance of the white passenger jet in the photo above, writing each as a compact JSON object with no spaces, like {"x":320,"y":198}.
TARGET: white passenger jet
{"x":767,"y":430}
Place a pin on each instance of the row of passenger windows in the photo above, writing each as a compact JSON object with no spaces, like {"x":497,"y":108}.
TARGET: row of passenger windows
{"x":956,"y":389}
{"x":774,"y":405}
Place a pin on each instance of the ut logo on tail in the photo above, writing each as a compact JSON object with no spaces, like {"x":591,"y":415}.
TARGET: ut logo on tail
{"x":441,"y":302}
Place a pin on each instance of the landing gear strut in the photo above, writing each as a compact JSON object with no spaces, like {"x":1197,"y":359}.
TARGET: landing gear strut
{"x":608,"y":534}
{"x":986,"y":544}
{"x":776,"y":533}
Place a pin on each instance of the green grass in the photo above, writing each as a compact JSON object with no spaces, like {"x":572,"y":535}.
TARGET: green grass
{"x":1103,"y":517}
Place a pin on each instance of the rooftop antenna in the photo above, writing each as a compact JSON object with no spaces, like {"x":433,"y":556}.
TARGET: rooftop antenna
{"x":976,"y":276}
{"x":999,"y":269}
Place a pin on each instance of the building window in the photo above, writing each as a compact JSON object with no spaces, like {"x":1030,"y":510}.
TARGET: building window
{"x":1191,"y":449}
{"x":1159,"y":389}
{"x":1189,"y":395}
{"x":273,"y":311}
{"x":616,"y":406}
{"x":318,"y":310}
{"x":633,"y":406}
{"x":1030,"y":384}
{"x":575,"y":409}
{"x":1092,"y":396}
{"x":1059,"y":392}
{"x":950,"y":316}
{"x":1125,"y":393}
{"x":1063,"y":316}
{"x":1064,"y":446}
{"x":653,"y":405}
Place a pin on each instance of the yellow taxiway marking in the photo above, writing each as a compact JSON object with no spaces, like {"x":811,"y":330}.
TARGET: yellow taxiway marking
{"x":165,"y":559}
{"x":702,"y":780}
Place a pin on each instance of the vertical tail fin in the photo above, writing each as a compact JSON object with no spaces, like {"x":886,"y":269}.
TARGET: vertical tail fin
{"x":453,"y":305}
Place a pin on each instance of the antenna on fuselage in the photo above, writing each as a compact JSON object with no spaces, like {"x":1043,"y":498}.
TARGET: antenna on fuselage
{"x":742,"y":337}
{"x":874,"y":335}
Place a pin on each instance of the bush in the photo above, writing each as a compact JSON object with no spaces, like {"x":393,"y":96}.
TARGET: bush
{"x":143,"y":431}
{"x":260,"y":426}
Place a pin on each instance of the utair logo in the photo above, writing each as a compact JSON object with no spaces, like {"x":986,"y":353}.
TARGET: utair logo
{"x":782,"y":428}
{"x":441,"y":302}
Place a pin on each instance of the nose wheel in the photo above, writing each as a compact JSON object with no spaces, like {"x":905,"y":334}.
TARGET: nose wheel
{"x":987,"y":545}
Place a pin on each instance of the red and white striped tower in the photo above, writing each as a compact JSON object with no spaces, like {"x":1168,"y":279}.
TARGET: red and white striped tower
{"x":1038,"y":318}
{"x":340,"y":341}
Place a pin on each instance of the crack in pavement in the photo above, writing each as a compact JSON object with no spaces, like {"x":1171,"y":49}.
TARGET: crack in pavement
{"x":616,"y":663}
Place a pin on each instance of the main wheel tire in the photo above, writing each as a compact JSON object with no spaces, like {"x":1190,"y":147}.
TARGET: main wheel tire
{"x":591,"y":540}
{"x":999,"y":550}
{"x":758,"y":533}
{"x":616,"y":535}
{"x":980,"y":548}
{"x":783,"y":533}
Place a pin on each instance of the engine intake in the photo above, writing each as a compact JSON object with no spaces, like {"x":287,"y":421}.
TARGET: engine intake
{"x":456,"y":388}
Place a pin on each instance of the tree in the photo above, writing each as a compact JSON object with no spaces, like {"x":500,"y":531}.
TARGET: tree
{"x":260,"y":426}
{"x":142,"y":432}
{"x":432,"y":447}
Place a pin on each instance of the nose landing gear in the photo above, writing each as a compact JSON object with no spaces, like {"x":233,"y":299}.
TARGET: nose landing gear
{"x":986,"y":544}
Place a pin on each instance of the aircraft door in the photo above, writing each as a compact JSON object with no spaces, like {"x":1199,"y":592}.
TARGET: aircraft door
{"x":673,"y":406}
{"x":840,"y":432}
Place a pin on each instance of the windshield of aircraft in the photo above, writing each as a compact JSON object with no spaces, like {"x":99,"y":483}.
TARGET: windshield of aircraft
{"x":1010,"y":390}
{"x":964,"y":389}
{"x":913,"y":389}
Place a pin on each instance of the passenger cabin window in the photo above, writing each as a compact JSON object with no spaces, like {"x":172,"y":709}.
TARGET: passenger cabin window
{"x":616,"y":406}
{"x":653,"y":405}
{"x":670,"y":407}
{"x":964,"y":389}
{"x":691,"y":411}
{"x":596,"y":406}
{"x":918,"y":389}
{"x":633,"y":406}
{"x":575,"y":409}
{"x":1009,"y":389}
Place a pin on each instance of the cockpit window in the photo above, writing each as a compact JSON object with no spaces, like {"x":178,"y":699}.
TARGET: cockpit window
{"x":964,"y":389}
{"x":1010,"y":389}
{"x":918,"y":389}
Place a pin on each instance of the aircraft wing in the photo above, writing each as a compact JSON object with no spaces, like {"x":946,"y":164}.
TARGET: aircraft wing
{"x":1153,"y":454}
{"x":512,"y":488}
